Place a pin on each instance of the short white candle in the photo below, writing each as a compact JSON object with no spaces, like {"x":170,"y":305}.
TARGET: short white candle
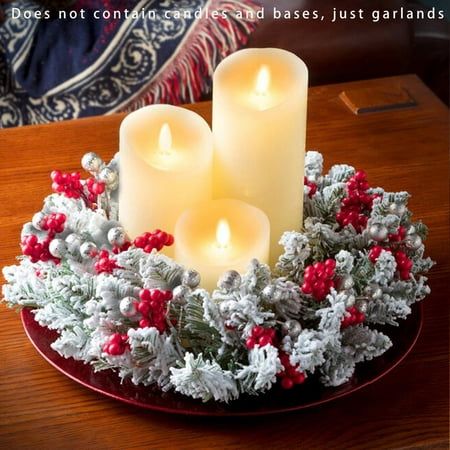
{"x":259,"y":124}
{"x":165,"y":167}
{"x":221,"y":235}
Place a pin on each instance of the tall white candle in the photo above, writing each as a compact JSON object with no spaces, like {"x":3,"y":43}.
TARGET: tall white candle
{"x":220,"y":235}
{"x":165,"y":167}
{"x":259,"y":123}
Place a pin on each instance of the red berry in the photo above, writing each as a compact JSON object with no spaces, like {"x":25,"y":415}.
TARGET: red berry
{"x":156,"y":295}
{"x":306,"y":288}
{"x":144,"y":323}
{"x":287,"y":383}
{"x":250,"y":343}
{"x":264,"y":340}
{"x":144,"y":294}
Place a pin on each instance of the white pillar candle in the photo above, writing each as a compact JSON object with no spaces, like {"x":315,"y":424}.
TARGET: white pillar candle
{"x":259,"y":123}
{"x":221,"y":235}
{"x":165,"y":167}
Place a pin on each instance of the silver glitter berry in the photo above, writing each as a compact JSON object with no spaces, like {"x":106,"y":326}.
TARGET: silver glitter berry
{"x":57,"y":248}
{"x":268,"y":294}
{"x":413,"y":241}
{"x":362,"y":305}
{"x":378,"y":232}
{"x":127,"y":306}
{"x":116,"y":236}
{"x":37,"y":220}
{"x":377,"y":293}
{"x":86,"y":249}
{"x":346,"y":282}
{"x":109,"y":177}
{"x":397,"y":208}
{"x":291,"y":327}
{"x":179,"y":294}
{"x":191,"y":278}
{"x":73,"y":242}
{"x":91,"y":162}
{"x":229,"y":280}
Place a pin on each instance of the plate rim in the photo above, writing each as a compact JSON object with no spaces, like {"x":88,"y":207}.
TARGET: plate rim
{"x":222,"y":413}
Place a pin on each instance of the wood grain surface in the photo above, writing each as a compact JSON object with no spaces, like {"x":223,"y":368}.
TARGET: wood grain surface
{"x":401,"y":150}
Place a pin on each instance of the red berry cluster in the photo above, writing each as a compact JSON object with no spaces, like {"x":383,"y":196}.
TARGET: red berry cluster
{"x":404,"y":264}
{"x":353,"y":317}
{"x":312,"y":187}
{"x":54,"y":223}
{"x":68,"y":184}
{"x":290,"y":375}
{"x":94,"y":188}
{"x":104,"y":263}
{"x":357,"y":204}
{"x":156,"y":239}
{"x":37,"y":251}
{"x":318,"y":279}
{"x":260,"y":336}
{"x":399,"y":236}
{"x":116,"y":344}
{"x":153,"y":307}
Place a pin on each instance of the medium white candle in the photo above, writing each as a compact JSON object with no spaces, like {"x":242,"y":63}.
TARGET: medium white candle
{"x":259,"y":123}
{"x":221,"y":235}
{"x":165,"y":167}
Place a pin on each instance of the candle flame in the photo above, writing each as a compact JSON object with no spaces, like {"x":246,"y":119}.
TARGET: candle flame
{"x":165,"y":140}
{"x":262,"y":80}
{"x":223,"y":234}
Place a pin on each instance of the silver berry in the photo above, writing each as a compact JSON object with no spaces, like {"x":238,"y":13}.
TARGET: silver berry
{"x":128,"y":306}
{"x":346,"y":282}
{"x":37,"y":220}
{"x":116,"y":236}
{"x":291,"y":328}
{"x":268,"y":293}
{"x":378,"y":232}
{"x":73,"y":242}
{"x":413,"y":241}
{"x":229,"y":281}
{"x":109,"y":177}
{"x":87,"y":249}
{"x":57,"y":248}
{"x":191,"y":278}
{"x":377,"y":293}
{"x":397,"y":208}
{"x":362,"y":305}
{"x":91,"y":162}
{"x":179,"y":294}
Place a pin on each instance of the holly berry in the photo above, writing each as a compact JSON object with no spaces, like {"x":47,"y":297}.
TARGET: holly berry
{"x":68,"y":184}
{"x":116,"y":344}
{"x":54,"y":223}
{"x":312,"y":187}
{"x":104,"y":263}
{"x":399,"y":236}
{"x":318,"y":279}
{"x":94,"y":188}
{"x":357,"y":205}
{"x":404,"y":265}
{"x":260,"y":336}
{"x":121,"y":248}
{"x":290,"y":375}
{"x":353,"y":316}
{"x":154,"y":240}
{"x":153,"y":308}
{"x":37,"y":251}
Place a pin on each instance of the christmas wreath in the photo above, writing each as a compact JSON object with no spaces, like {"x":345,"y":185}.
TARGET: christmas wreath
{"x":116,"y":303}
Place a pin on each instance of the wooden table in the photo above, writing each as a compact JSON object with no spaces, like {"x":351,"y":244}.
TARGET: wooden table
{"x":404,"y":149}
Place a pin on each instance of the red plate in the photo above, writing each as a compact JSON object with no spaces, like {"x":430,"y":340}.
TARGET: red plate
{"x":309,"y":394}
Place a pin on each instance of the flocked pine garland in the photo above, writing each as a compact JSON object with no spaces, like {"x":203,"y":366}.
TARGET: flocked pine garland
{"x":119,"y":304}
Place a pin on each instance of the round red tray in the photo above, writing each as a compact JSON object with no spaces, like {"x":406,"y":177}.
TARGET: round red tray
{"x":307,"y":395}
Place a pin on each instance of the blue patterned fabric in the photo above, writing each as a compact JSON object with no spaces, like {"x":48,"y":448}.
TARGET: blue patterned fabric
{"x":56,"y":69}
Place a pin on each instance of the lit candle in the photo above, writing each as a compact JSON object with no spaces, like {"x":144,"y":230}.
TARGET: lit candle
{"x":259,"y":123}
{"x":221,"y":235}
{"x":165,"y":167}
